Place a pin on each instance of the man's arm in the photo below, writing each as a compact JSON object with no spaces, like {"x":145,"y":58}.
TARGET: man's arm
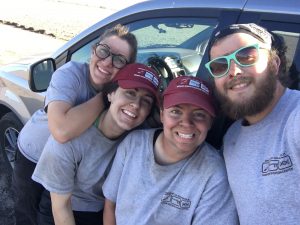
{"x":62,"y":210}
{"x":67,"y":122}
{"x":109,"y":213}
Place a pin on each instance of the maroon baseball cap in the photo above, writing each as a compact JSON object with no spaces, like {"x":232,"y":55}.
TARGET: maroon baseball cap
{"x":189,"y":90}
{"x":137,"y":75}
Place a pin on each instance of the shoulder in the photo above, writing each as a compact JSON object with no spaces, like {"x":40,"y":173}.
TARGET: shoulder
{"x":74,"y":65}
{"x":140,"y":134}
{"x":289,"y":107}
{"x":207,"y":165}
{"x":210,"y":159}
{"x":233,"y":130}
{"x":137,"y":140}
{"x":289,"y":100}
{"x":74,"y":68}
{"x":56,"y":147}
{"x":211,"y":154}
{"x":293,"y":121}
{"x":293,"y":93}
{"x":294,"y":99}
{"x":90,"y":137}
{"x":56,"y":150}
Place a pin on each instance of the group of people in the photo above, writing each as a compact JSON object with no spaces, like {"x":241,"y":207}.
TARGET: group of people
{"x":85,"y":159}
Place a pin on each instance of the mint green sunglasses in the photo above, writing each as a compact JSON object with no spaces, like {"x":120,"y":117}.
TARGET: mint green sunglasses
{"x":245,"y":56}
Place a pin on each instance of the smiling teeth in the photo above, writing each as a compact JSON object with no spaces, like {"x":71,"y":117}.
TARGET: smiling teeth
{"x":239,"y":85}
{"x":129,"y":113}
{"x":187,"y":136}
{"x":101,"y":70}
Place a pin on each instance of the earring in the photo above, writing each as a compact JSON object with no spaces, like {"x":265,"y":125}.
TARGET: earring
{"x":109,"y":97}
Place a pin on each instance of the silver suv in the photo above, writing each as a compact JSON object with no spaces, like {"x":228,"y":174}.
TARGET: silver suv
{"x":172,"y":37}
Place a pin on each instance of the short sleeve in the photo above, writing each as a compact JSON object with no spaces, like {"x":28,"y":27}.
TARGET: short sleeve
{"x":65,"y":83}
{"x":56,"y":168}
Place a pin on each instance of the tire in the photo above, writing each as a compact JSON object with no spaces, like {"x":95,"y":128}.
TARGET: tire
{"x":10,"y":127}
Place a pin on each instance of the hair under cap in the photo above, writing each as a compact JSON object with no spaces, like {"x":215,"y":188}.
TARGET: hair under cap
{"x":189,"y":90}
{"x":137,"y":75}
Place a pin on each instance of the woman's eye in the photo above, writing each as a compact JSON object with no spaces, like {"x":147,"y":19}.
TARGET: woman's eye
{"x":200,"y":115}
{"x":130,"y":93}
{"x":147,"y":101}
{"x":175,"y":111}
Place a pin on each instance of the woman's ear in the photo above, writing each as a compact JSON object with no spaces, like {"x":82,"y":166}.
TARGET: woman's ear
{"x":161,"y":113}
{"x":110,"y":96}
{"x":93,"y":51}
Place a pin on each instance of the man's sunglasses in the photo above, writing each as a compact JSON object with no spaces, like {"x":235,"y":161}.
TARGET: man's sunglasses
{"x":102,"y":51}
{"x":245,"y":56}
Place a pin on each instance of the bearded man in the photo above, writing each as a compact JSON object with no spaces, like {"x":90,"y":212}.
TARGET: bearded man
{"x":262,"y":147}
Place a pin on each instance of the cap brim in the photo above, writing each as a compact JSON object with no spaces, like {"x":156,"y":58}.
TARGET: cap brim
{"x":189,"y":98}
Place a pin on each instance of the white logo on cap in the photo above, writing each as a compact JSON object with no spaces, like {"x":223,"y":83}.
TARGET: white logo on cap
{"x":147,"y":75}
{"x":152,"y":78}
{"x":198,"y":85}
{"x":204,"y":88}
{"x":194,"y":83}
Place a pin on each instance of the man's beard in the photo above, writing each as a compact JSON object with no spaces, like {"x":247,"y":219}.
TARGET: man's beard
{"x":255,"y":104}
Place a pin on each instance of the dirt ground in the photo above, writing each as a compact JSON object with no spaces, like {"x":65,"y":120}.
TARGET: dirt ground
{"x":59,"y":20}
{"x":17,"y":43}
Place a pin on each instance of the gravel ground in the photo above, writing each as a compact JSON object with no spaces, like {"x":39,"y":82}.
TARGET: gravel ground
{"x":6,"y":198}
{"x":51,"y":22}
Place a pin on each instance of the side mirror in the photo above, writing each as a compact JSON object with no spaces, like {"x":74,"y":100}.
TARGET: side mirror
{"x":40,"y":74}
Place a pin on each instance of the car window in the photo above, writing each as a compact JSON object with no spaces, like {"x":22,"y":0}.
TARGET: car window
{"x":84,"y":53}
{"x":172,"y":46}
{"x":293,"y":56}
{"x":178,"y":43}
{"x":291,"y":34}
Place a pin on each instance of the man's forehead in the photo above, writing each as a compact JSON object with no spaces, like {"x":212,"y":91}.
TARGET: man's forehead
{"x":235,"y":41}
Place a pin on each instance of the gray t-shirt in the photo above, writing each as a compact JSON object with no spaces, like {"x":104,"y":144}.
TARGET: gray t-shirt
{"x":192,"y":191}
{"x":263,"y":165}
{"x":79,"y":166}
{"x":70,"y":84}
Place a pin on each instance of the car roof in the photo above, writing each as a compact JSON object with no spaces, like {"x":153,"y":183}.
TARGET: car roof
{"x":153,"y":5}
{"x":268,"y":6}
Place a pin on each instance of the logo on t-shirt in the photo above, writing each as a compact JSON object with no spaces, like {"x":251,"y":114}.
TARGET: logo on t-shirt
{"x":277,"y":165}
{"x":171,"y":199}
